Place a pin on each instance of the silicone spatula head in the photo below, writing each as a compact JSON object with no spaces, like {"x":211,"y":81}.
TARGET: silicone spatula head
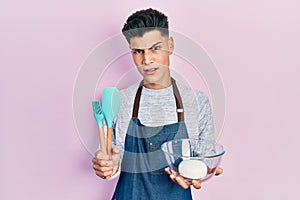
{"x":97,"y":112}
{"x":111,"y":101}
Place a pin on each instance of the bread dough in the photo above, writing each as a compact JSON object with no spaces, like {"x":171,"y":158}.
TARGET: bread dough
{"x":193,"y":169}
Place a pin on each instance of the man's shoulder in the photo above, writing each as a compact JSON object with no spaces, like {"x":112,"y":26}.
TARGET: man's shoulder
{"x":189,"y":92}
{"x":129,"y":91}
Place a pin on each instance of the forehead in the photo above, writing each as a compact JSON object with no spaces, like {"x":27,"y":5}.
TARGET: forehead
{"x":147,"y":40}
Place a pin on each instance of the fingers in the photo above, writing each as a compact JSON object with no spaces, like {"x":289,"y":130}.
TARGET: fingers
{"x":103,"y":174}
{"x":105,"y":171}
{"x":103,"y":165}
{"x":101,"y":156}
{"x":219,"y":171}
{"x":168,"y":171}
{"x":182,"y":182}
{"x":115,"y":159}
{"x":196,"y":184}
{"x":185,"y":183}
{"x":116,"y":150}
{"x":102,"y":171}
{"x":116,"y":155}
{"x":172,"y":176}
{"x":178,"y":179}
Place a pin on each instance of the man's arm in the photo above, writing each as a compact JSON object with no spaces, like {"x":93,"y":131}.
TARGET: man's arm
{"x":104,"y":166}
{"x":206,"y":135}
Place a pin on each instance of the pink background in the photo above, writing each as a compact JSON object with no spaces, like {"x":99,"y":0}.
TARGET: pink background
{"x":254,"y":45}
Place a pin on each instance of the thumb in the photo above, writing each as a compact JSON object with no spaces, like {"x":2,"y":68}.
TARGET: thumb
{"x":116,"y":156}
{"x":218,"y":171}
{"x":116,"y":150}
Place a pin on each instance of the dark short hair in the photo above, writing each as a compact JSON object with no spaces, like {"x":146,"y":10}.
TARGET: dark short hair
{"x":143,"y":21}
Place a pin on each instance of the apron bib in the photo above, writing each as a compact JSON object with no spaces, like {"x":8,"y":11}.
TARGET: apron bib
{"x":142,"y":170}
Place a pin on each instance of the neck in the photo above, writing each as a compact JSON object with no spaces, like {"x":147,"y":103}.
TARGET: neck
{"x":157,"y":86}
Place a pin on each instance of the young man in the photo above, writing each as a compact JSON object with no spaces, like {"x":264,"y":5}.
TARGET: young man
{"x":154,"y":111}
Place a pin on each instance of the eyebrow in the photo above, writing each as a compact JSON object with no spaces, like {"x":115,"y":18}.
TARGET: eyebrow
{"x":136,"y":49}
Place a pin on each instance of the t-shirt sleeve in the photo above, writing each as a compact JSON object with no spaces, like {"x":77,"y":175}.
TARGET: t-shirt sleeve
{"x":206,"y":133}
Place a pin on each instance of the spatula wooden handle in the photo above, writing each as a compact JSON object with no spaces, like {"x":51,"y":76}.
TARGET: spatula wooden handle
{"x":102,"y":140}
{"x":109,"y":144}
{"x":109,"y":141}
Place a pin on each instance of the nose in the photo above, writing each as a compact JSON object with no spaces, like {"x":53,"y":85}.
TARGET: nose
{"x":148,"y":57}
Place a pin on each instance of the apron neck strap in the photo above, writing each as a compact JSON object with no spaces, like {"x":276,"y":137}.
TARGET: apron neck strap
{"x":179,"y":104}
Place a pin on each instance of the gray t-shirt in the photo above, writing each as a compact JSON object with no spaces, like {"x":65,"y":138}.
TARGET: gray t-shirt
{"x":158,"y":107}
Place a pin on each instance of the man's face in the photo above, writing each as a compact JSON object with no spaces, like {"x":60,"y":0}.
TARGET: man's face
{"x":151,"y":54}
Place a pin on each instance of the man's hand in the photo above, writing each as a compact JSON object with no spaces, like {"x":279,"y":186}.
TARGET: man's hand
{"x":186,"y":183}
{"x":104,"y":166}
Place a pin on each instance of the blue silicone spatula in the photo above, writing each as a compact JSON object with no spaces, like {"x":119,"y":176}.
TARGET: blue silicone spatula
{"x":98,"y":114}
{"x":111,"y":101}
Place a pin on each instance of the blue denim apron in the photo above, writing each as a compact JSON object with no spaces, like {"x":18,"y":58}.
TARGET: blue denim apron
{"x":142,"y":170}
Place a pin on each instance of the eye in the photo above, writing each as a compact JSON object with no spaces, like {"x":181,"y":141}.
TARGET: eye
{"x":155,"y":48}
{"x":137,"y":51}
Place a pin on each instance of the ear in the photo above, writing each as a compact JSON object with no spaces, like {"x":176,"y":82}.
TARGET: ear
{"x":171,"y":45}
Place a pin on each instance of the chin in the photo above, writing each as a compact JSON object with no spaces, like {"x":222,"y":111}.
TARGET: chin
{"x":154,"y":81}
{"x":150,"y":80}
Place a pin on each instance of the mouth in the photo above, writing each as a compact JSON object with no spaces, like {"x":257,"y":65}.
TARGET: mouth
{"x":150,"y":71}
